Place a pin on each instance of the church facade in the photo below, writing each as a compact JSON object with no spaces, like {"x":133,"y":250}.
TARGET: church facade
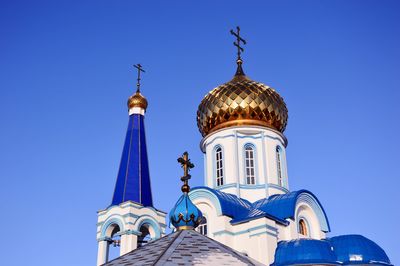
{"x":245,"y":204}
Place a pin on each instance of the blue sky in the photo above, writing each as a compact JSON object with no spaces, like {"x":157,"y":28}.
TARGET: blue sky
{"x":66,"y":73}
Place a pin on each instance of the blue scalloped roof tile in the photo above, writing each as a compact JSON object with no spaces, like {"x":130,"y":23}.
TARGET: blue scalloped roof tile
{"x":357,"y":249}
{"x":304,"y":251}
{"x":339,"y":250}
{"x":282,"y":205}
{"x":276,"y":207}
{"x":231,"y":205}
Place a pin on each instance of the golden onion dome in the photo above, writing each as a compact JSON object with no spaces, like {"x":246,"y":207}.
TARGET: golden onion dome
{"x":241,"y":101}
{"x":137,"y":100}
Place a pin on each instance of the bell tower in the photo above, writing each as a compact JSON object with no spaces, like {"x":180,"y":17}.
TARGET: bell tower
{"x":131,"y":220}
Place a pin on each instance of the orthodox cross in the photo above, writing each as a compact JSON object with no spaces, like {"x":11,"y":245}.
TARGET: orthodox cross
{"x":186,"y":164}
{"x":238,"y":41}
{"x":140,"y":69}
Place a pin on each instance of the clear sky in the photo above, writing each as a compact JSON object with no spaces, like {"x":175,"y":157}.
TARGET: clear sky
{"x":66,"y":73}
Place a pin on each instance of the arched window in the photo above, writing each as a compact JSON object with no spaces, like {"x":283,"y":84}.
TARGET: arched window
{"x":114,"y":242}
{"x":145,"y":236}
{"x":249,"y":165}
{"x":220,"y":167}
{"x":279,"y":165}
{"x":303,"y":230}
{"x":202,"y":228}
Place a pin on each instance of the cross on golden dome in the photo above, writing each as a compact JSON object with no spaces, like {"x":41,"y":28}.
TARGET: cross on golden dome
{"x":137,"y":100}
{"x":238,"y":41}
{"x":241,"y":102}
{"x":240,"y":50}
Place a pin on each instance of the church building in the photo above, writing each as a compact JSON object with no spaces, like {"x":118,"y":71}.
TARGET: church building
{"x":245,"y":213}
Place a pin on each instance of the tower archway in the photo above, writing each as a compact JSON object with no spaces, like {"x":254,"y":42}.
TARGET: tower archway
{"x":114,"y":242}
{"x":109,"y":246}
{"x":148,"y":230}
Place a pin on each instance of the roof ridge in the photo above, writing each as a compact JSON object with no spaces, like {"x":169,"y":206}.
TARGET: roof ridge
{"x":227,"y":249}
{"x":140,"y":248}
{"x":158,"y":260}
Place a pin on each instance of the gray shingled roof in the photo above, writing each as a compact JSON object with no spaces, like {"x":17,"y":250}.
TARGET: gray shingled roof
{"x":186,"y":247}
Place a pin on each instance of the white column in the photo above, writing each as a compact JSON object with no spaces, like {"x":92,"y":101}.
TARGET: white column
{"x":236,"y":160}
{"x":206,"y":183}
{"x":128,"y":243}
{"x":264,"y":164}
{"x":102,"y":253}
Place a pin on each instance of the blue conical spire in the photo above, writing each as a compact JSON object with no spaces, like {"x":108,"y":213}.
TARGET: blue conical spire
{"x":133,"y":181}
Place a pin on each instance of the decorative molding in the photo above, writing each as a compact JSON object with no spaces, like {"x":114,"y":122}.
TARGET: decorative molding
{"x":231,"y":185}
{"x":285,"y":190}
{"x":130,"y":215}
{"x":202,"y":193}
{"x":264,"y":226}
{"x":146,"y":219}
{"x":264,"y":232}
{"x":237,"y":165}
{"x":283,"y":140}
{"x":113,"y":219}
{"x":128,"y":204}
{"x":130,"y":232}
{"x":316,"y":206}
{"x":265,"y":162}
{"x":252,"y":186}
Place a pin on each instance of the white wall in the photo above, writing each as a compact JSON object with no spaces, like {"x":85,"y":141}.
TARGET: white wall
{"x":257,"y":238}
{"x":232,"y":141}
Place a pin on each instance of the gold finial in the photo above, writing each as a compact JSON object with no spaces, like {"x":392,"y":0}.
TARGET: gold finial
{"x":140,"y":69}
{"x":240,"y":50}
{"x":186,"y":164}
{"x":137,"y":99}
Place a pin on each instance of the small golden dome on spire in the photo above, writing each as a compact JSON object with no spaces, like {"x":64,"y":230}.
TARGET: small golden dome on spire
{"x":137,"y":100}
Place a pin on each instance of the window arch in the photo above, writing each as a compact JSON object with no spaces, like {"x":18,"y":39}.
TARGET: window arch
{"x":303,"y":228}
{"x":145,"y":236}
{"x":219,"y":166}
{"x":113,"y":242}
{"x":249,"y":166}
{"x":279,"y":165}
{"x":203,"y":227}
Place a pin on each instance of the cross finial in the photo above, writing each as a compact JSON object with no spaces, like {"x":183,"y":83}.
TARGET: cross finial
{"x":186,"y":164}
{"x":239,"y":39}
{"x":240,"y":50}
{"x":140,"y":69}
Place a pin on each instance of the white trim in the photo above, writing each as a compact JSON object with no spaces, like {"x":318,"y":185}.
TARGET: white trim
{"x":203,"y":143}
{"x":136,"y":110}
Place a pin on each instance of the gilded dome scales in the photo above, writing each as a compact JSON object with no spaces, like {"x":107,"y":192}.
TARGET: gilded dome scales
{"x":241,"y":101}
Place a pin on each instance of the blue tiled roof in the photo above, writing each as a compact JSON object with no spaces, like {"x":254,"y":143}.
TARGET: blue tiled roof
{"x":276,"y":207}
{"x":133,"y":181}
{"x":283,"y":206}
{"x":231,"y":205}
{"x":340,"y":250}
{"x":357,"y":249}
{"x":255,"y":213}
{"x":304,"y":251}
